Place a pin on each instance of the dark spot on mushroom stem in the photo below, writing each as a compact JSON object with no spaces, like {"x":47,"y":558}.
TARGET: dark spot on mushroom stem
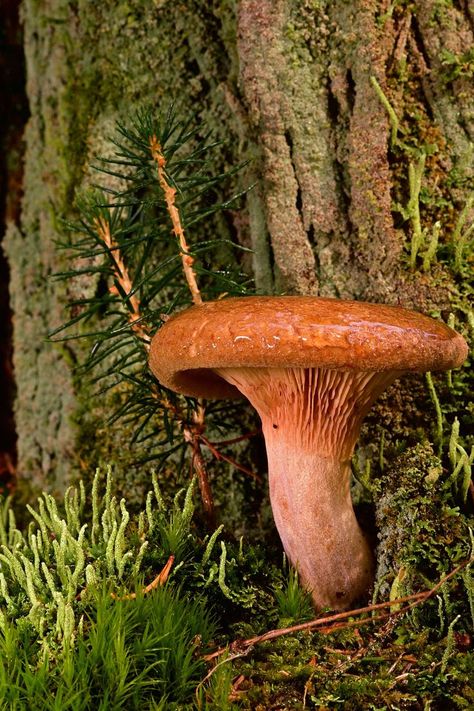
{"x":275,"y":427}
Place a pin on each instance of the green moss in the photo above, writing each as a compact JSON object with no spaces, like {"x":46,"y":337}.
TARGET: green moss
{"x":422,"y":531}
{"x":355,"y":671}
{"x":457,"y":65}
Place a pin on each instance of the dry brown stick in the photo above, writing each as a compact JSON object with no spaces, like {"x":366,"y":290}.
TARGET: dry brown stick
{"x":323,"y":630}
{"x":123,"y":278}
{"x":170,"y":197}
{"x":160,"y":579}
{"x":312,"y":624}
{"x":326,"y":622}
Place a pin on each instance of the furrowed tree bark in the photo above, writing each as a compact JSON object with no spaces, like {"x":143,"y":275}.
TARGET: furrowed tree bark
{"x":290,"y":84}
{"x":12,"y":119}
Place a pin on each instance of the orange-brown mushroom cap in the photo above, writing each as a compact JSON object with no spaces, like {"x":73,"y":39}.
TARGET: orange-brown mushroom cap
{"x":296,"y":332}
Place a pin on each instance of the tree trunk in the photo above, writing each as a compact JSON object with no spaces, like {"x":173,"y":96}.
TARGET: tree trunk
{"x":359,"y":118}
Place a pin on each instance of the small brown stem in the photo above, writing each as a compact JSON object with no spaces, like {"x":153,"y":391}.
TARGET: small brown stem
{"x":123,"y":278}
{"x":193,"y":435}
{"x":160,"y":579}
{"x":218,"y":455}
{"x":204,"y":486}
{"x":170,"y":197}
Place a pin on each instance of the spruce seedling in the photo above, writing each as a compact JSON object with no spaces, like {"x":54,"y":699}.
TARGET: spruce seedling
{"x":130,"y":241}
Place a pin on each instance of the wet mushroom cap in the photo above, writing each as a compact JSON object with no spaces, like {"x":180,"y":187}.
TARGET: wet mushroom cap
{"x":296,"y":332}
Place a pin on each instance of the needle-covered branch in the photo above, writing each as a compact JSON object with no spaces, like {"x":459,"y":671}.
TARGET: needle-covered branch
{"x":191,"y":431}
{"x":125,"y":242}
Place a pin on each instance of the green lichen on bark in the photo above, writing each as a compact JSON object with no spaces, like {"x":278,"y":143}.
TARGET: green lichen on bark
{"x":263,"y":75}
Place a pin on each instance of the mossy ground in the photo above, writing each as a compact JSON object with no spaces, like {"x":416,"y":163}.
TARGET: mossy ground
{"x":422,"y":659}
{"x":94,"y":62}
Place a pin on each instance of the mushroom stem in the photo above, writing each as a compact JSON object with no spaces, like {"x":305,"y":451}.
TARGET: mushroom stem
{"x":312,"y":508}
{"x":311,"y":420}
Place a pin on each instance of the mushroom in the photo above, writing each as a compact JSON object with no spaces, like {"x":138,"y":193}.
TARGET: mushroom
{"x":312,"y":368}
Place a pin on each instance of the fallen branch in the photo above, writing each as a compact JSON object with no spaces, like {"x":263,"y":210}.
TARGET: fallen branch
{"x":334,"y":622}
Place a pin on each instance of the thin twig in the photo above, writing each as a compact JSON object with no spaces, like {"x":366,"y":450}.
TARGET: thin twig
{"x":218,"y":455}
{"x":192,"y":435}
{"x":170,"y":197}
{"x":123,"y":278}
{"x":173,"y":409}
{"x":212,"y":671}
{"x":333,"y":622}
{"x":160,"y":579}
{"x":234,"y":440}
